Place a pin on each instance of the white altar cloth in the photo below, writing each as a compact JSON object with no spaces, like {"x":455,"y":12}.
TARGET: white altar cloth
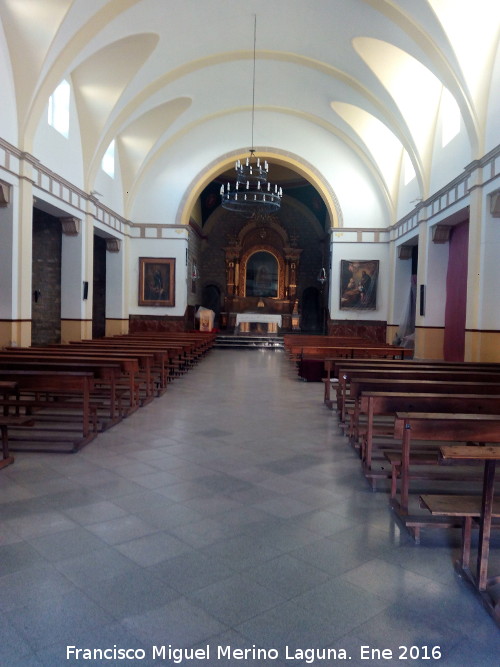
{"x":258,"y":317}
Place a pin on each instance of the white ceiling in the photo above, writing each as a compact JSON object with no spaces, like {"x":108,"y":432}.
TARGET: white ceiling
{"x":353,"y":81}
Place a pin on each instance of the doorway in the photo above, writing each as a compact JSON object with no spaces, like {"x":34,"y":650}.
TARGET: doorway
{"x":99,"y":289}
{"x":46,"y":279}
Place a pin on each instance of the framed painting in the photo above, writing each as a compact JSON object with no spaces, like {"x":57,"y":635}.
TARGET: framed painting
{"x":358,"y":284}
{"x":156,"y":281}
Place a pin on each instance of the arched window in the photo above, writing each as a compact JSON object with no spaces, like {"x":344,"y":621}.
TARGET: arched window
{"x":262,"y":275}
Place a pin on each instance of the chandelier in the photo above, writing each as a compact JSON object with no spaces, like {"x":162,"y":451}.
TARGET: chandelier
{"x":252,"y":192}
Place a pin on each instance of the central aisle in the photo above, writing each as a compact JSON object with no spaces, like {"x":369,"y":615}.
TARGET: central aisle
{"x":229,"y":512}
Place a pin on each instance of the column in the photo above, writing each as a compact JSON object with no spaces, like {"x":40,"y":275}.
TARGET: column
{"x":117,"y":316}
{"x":76,"y":278}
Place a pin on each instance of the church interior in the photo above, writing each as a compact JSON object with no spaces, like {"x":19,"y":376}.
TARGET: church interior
{"x":251,"y":175}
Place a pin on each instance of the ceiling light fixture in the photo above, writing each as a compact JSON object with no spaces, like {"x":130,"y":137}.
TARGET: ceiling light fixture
{"x":251,"y":191}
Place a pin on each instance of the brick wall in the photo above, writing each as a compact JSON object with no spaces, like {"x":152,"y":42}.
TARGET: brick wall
{"x":46,"y":279}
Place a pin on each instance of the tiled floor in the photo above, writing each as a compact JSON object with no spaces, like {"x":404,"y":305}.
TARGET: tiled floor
{"x":228,"y":513}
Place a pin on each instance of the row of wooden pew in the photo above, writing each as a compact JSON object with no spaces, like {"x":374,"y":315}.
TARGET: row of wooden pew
{"x":431,"y":430}
{"x":308,"y":352}
{"x":57,"y":398}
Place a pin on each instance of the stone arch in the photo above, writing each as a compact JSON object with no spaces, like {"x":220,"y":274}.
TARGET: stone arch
{"x":302,"y":167}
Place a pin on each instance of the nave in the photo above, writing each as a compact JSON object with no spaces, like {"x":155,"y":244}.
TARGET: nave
{"x":228,"y":512}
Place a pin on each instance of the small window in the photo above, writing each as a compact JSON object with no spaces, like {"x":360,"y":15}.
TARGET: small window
{"x":108,"y":161}
{"x":58,"y":113}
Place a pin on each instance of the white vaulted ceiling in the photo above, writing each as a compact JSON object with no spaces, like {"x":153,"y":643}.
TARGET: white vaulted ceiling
{"x":348,"y":93}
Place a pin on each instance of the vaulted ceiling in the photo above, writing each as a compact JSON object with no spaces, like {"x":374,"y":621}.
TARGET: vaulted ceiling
{"x":347,"y":92}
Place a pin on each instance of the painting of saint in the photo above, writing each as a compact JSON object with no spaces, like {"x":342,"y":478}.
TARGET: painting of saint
{"x":156,"y":281}
{"x":262,"y":275}
{"x":358,"y":284}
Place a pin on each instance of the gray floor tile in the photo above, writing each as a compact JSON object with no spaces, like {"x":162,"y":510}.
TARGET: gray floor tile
{"x":152,"y":549}
{"x":235,"y":599}
{"x":191,"y":571}
{"x":126,"y":595}
{"x":121,"y":529}
{"x":17,"y":556}
{"x":182,"y":622}
{"x":30,"y":585}
{"x":54,"y":619}
{"x":228,"y":512}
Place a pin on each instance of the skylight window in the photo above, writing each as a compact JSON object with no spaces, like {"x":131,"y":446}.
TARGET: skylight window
{"x":108,"y":161}
{"x":450,"y":118}
{"x":58,"y":113}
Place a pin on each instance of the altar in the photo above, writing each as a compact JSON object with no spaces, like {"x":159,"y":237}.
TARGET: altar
{"x":270,"y":322}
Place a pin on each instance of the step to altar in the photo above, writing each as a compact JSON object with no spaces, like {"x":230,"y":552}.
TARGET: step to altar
{"x":249,"y":341}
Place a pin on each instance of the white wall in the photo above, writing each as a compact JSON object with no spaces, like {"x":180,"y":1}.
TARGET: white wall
{"x":360,"y":251}
{"x":435,"y":284}
{"x":60,"y":154}
{"x":187,"y":160}
{"x":401,"y":288}
{"x":8,"y":106}
{"x":490,"y":254}
{"x":175,"y":246}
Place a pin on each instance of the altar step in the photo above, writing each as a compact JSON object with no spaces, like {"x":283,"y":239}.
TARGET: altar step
{"x":250,"y":341}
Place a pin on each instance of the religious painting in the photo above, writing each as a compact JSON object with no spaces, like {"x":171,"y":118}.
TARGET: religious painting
{"x":358,"y":284}
{"x":156,"y":281}
{"x":262,"y":275}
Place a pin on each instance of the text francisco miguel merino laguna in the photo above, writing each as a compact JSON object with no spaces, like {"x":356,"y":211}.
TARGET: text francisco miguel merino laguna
{"x":179,"y":655}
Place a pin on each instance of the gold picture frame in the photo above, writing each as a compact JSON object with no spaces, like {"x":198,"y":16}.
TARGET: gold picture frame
{"x":156,"y":282}
{"x":358,"y":284}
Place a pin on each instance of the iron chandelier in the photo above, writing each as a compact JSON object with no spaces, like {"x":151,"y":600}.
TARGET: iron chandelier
{"x":252,"y":191}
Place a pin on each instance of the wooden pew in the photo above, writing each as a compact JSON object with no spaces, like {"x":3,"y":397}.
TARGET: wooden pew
{"x":408,"y":388}
{"x":465,"y":508}
{"x":169,"y":360}
{"x":333,"y":367}
{"x":76,"y":383}
{"x":373,"y":403}
{"x":482,"y":583}
{"x":108,"y":372}
{"x":137,"y":366}
{"x":344,"y":389}
{"x":432,"y":426}
{"x":8,"y":418}
{"x":9,"y":392}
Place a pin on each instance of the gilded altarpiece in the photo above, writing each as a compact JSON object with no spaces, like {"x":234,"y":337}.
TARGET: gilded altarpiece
{"x":268,"y":246}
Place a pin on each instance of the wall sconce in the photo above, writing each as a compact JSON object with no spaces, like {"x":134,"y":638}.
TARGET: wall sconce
{"x":194,"y":273}
{"x":322,"y":276}
{"x":37,"y":295}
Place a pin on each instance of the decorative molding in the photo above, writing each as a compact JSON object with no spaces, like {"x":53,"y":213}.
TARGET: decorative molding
{"x":454,"y":193}
{"x":4,"y":194}
{"x":405,"y":251}
{"x":70,"y":226}
{"x":495,"y":204}
{"x":113,"y":245}
{"x":441,"y":233}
